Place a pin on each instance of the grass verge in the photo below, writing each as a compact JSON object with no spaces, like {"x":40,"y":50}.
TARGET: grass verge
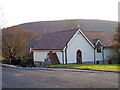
{"x":108,"y":67}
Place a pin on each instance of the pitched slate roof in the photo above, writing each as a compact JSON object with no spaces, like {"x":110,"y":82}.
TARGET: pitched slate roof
{"x":58,"y":40}
{"x":94,"y":41}
{"x":55,"y":41}
{"x":104,"y":37}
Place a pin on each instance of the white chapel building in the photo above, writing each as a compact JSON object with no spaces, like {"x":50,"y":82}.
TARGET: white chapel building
{"x":74,"y":47}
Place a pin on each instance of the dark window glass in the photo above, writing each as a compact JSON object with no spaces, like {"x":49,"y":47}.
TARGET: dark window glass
{"x":99,"y":49}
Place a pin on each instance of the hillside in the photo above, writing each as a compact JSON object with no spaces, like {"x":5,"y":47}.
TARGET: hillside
{"x":43,"y":27}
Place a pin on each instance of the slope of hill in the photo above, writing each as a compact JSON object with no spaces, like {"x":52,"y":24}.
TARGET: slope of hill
{"x":43,"y":27}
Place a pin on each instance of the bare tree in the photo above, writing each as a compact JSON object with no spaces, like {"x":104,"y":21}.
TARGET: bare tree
{"x":116,"y":42}
{"x":1,"y":17}
{"x":16,"y":41}
{"x":3,"y":23}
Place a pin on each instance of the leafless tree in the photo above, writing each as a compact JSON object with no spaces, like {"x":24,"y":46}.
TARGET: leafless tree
{"x":1,"y":25}
{"x":116,"y":42}
{"x":16,"y":41}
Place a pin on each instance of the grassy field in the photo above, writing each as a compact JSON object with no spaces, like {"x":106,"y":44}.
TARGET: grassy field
{"x":108,"y":67}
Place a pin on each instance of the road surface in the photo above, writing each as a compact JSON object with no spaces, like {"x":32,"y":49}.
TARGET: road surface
{"x":19,"y":78}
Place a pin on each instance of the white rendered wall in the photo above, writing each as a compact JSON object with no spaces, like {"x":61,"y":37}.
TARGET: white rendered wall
{"x":41,"y":55}
{"x":59,"y":54}
{"x":98,"y":56}
{"x":109,"y":52}
{"x":79,"y":43}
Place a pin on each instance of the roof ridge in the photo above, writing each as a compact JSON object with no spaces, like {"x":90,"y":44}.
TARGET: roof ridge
{"x":60,"y":31}
{"x":94,"y":31}
{"x":58,"y":40}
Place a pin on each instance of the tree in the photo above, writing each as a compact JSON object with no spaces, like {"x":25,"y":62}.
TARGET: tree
{"x":116,"y":42}
{"x":15,"y":41}
{"x":3,"y":22}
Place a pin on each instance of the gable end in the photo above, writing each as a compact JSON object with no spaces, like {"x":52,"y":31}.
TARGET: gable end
{"x":79,"y":31}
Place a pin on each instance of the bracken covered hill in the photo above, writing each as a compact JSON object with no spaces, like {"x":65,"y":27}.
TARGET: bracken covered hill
{"x":43,"y":27}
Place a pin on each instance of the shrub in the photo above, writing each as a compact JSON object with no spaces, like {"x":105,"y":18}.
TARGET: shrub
{"x":6,"y":61}
{"x":27,"y":61}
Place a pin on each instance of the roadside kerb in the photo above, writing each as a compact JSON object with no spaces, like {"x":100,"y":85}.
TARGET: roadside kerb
{"x":55,"y":69}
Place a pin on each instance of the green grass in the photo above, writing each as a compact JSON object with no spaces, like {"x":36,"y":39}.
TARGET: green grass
{"x":107,"y":67}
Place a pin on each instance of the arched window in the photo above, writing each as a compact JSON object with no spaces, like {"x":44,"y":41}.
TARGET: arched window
{"x":79,"y":57}
{"x":99,"y":46}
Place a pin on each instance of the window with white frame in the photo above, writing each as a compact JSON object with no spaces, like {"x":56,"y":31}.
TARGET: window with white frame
{"x":99,"y":49}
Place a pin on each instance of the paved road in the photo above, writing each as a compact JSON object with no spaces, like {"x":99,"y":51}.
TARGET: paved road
{"x":11,"y":79}
{"x":18,"y":78}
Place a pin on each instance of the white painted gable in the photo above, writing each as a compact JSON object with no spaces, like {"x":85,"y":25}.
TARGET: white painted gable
{"x":79,"y":42}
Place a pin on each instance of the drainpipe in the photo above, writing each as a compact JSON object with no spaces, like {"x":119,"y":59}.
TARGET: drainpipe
{"x":94,"y":56}
{"x":103,"y":55}
{"x":62,"y":57}
{"x":66,"y":54}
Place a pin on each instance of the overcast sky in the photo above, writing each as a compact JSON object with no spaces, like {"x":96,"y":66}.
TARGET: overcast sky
{"x":23,"y":11}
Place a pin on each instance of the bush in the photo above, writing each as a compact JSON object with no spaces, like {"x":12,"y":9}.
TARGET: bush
{"x":15,"y":62}
{"x":27,"y":61}
{"x":6,"y":61}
